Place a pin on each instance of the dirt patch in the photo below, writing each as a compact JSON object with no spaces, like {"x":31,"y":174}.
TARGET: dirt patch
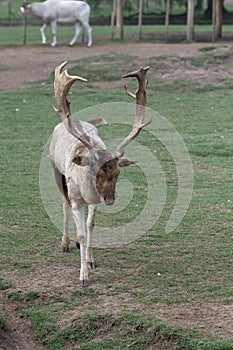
{"x":20,"y":66}
{"x":208,"y":318}
{"x":216,"y":318}
{"x":18,"y":334}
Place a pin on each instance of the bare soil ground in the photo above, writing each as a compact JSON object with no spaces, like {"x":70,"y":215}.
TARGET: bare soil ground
{"x":20,"y":66}
{"x":27,"y":64}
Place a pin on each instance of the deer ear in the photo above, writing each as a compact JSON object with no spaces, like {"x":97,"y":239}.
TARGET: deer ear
{"x":125,"y":162}
{"x":81,"y":160}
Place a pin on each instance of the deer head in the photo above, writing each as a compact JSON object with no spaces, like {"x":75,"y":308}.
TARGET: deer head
{"x":104,"y":165}
{"x":25,"y":8}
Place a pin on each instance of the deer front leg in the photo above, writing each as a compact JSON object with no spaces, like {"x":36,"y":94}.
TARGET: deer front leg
{"x":65,"y":243}
{"x":42,"y":31}
{"x":78,"y":215}
{"x":90,"y":226}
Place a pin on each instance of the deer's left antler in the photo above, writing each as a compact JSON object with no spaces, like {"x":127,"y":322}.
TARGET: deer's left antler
{"x":140,"y":97}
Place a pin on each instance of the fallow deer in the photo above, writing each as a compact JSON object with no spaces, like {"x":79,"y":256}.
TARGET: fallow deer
{"x":85,"y":171}
{"x":53,"y":12}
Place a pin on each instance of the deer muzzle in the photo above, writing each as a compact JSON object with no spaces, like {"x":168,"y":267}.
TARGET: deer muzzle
{"x":109,"y":201}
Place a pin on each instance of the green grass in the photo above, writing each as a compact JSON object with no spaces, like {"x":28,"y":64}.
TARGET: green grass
{"x":4,"y":285}
{"x":3,"y":323}
{"x":118,"y":310}
{"x":107,"y":330}
{"x":13,"y":35}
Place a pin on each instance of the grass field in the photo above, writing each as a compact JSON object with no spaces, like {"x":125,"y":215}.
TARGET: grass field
{"x":13,"y":35}
{"x":136,"y":290}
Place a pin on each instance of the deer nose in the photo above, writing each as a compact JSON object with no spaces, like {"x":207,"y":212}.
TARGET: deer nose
{"x":109,"y":201}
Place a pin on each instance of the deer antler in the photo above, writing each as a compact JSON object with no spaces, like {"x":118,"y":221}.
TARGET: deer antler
{"x":62,"y":84}
{"x":140,"y":98}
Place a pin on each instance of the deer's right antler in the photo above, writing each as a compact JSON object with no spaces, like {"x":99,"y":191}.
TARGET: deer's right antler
{"x":62,"y":84}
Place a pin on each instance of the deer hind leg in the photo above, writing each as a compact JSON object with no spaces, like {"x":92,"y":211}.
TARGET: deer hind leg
{"x":89,"y":32}
{"x":77,"y":32}
{"x":54,"y":33}
{"x":62,"y":186}
{"x":78,"y":215}
{"x":65,"y":243}
{"x":42,"y":31}
{"x":90,"y":226}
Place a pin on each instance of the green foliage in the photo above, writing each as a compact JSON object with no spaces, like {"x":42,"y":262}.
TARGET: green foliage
{"x":15,"y":296}
{"x":4,"y":285}
{"x":4,"y":325}
{"x":32,"y":295}
{"x":99,"y":9}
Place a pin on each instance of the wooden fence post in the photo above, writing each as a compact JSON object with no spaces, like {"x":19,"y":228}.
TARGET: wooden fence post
{"x":113,"y":19}
{"x":140,"y":19}
{"x":119,"y":19}
{"x":24,"y":29}
{"x":190,"y":20}
{"x":167,"y":20}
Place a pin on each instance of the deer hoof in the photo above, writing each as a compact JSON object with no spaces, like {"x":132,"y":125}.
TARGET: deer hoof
{"x":84,"y":283}
{"x":65,"y":249}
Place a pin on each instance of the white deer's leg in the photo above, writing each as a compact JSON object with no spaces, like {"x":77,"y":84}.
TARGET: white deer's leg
{"x":78,"y":215}
{"x":42,"y":31}
{"x":54,"y":33}
{"x":77,"y":31}
{"x":89,"y":32}
{"x":65,"y":243}
{"x":90,"y":226}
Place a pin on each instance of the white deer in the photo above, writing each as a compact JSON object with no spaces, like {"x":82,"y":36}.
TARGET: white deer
{"x":85,"y":171}
{"x":62,"y":11}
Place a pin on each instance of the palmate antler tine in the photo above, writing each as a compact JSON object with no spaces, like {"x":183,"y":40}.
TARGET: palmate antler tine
{"x":128,"y":92}
{"x":142,"y":78}
{"x":62,"y":84}
{"x":140,"y":97}
{"x":136,"y":73}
